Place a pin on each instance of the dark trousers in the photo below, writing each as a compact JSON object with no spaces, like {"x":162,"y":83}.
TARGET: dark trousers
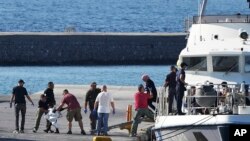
{"x":171,"y":96}
{"x":93,"y":119}
{"x":18,"y":108}
{"x":180,"y":94}
{"x":137,"y":119}
{"x":38,"y":119}
{"x":150,"y":104}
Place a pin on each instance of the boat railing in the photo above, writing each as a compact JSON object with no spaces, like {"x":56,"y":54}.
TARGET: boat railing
{"x":235,"y":95}
{"x":206,"y":19}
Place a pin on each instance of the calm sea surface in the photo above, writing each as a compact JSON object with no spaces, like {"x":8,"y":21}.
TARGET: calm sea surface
{"x":107,"y":15}
{"x":36,"y":78}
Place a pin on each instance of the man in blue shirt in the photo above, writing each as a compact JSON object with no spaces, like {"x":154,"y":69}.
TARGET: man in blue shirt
{"x":180,"y":87}
{"x":170,"y":82}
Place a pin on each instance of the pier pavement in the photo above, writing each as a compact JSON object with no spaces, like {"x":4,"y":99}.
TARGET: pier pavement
{"x":123,"y":96}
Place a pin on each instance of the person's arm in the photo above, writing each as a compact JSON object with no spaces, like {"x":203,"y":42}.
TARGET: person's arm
{"x":96,"y":102}
{"x":86,"y":101}
{"x":96,"y":105}
{"x":112,"y":103}
{"x":166,"y":81}
{"x":53,"y":99}
{"x":113,"y":106}
{"x":182,"y":79}
{"x":147,"y":87}
{"x":11,"y":99}
{"x":60,"y":107}
{"x":151,"y":95}
{"x":28,"y":97}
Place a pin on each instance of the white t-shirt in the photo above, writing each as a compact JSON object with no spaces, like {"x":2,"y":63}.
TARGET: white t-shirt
{"x":104,"y":99}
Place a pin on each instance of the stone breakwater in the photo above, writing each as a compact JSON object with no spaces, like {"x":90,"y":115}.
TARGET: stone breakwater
{"x":36,"y":48}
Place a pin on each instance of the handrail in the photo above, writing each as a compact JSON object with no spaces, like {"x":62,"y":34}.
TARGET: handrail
{"x":221,"y":19}
{"x":236,"y":97}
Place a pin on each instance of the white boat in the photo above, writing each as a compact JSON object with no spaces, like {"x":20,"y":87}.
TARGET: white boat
{"x":217,"y":50}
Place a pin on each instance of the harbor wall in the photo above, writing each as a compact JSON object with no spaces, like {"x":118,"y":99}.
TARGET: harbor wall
{"x":90,"y":48}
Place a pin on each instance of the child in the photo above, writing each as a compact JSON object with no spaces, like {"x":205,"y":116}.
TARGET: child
{"x":42,"y":108}
{"x":52,"y":117}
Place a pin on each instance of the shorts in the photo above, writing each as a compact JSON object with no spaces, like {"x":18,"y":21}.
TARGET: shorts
{"x":75,"y":113}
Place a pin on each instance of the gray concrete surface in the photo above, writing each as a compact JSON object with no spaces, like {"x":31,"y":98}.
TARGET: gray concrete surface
{"x":122,"y":96}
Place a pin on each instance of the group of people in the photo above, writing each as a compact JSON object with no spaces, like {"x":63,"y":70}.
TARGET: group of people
{"x":175,"y":81}
{"x":99,"y":102}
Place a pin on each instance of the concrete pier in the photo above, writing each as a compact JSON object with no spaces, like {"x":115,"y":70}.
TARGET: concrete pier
{"x":123,"y":96}
{"x":34,"y":48}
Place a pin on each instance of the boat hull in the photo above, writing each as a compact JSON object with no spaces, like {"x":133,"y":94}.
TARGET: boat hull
{"x":198,"y":127}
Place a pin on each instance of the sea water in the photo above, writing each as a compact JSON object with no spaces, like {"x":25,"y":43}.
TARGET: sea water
{"x":36,"y":78}
{"x":107,"y":15}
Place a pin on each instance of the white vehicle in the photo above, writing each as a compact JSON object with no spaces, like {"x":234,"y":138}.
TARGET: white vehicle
{"x":218,"y":50}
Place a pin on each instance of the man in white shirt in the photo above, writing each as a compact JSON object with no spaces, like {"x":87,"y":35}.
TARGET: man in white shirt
{"x":103,"y":102}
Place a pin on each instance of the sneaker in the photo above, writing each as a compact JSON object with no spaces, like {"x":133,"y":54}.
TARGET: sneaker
{"x":46,"y":131}
{"x":69,"y":132}
{"x":57,"y":131}
{"x":105,"y":134}
{"x":51,"y":131}
{"x":15,"y":131}
{"x":98,"y":134}
{"x":34,"y":130}
{"x":21,"y":131}
{"x":132,"y":135}
{"x":181,"y":113}
{"x":83,"y":132}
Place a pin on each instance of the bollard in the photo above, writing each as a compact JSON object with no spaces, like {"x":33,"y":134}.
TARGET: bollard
{"x":101,"y":138}
{"x":129,"y":119}
{"x":129,"y":113}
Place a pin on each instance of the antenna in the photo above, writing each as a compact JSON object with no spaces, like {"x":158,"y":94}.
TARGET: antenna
{"x":203,"y":8}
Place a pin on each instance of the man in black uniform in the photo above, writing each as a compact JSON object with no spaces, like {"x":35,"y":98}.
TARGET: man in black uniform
{"x":180,"y":87}
{"x":18,"y":94}
{"x":49,"y":93}
{"x":150,"y":87}
{"x":170,"y":82}
{"x":90,"y":100}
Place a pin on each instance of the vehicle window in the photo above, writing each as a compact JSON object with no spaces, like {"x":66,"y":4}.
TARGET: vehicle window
{"x":196,"y":63}
{"x":247,"y":64}
{"x":226,"y":63}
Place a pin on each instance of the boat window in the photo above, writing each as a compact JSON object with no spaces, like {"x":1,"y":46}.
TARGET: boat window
{"x":247,"y":64}
{"x":196,"y":63}
{"x":226,"y":63}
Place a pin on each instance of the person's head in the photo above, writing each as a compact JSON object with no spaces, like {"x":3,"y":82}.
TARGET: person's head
{"x":211,"y":84}
{"x":145,"y":77}
{"x":104,"y":88}
{"x":193,"y":90}
{"x":173,"y":69}
{"x":183,"y":65}
{"x":43,"y":97}
{"x":224,"y":84}
{"x":141,"y":88}
{"x":93,"y":85}
{"x":65,"y":92}
{"x":21,"y":82}
{"x":51,"y":85}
